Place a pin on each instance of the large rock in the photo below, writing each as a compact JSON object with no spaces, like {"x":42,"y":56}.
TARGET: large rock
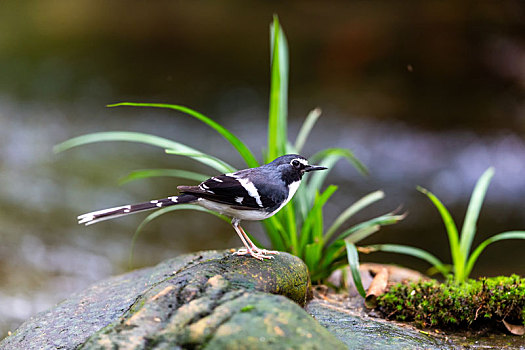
{"x":358,"y":331}
{"x":349,"y":321}
{"x":205,"y":300}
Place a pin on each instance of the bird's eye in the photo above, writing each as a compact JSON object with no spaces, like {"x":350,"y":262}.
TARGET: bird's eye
{"x":296,"y":163}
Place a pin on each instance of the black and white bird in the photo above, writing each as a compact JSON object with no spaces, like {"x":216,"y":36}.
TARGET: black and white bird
{"x":249,"y":194}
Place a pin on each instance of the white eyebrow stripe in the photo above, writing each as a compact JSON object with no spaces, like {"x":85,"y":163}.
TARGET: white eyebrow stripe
{"x":302,"y":161}
{"x":216,"y":179}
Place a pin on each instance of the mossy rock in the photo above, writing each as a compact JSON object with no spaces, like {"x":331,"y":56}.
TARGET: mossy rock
{"x":471,"y":305}
{"x":358,"y":328}
{"x":209,"y":299}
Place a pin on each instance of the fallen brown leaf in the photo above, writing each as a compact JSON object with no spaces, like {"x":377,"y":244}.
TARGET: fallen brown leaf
{"x":377,"y":287}
{"x":516,"y":329}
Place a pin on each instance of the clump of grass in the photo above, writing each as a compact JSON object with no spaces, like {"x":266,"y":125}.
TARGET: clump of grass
{"x":299,"y":227}
{"x":463,"y":260}
{"x":475,"y":303}
{"x":460,"y":246}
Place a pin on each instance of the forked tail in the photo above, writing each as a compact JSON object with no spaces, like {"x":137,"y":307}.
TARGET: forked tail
{"x":111,"y":213}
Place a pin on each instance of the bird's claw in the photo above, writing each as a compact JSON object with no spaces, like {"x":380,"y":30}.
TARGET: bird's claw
{"x":257,"y":253}
{"x":264,"y":251}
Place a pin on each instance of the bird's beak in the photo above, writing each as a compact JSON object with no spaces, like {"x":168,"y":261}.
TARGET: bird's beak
{"x":314,"y":167}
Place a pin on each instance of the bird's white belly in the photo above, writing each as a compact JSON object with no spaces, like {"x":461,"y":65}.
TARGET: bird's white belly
{"x":225,"y":209}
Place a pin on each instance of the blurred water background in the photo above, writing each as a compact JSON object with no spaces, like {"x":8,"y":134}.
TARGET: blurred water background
{"x":425,"y":93}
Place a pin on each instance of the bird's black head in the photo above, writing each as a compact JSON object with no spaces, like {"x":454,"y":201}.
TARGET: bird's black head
{"x":292,"y":167}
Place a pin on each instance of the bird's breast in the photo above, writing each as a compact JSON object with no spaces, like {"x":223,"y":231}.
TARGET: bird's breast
{"x":292,"y":188}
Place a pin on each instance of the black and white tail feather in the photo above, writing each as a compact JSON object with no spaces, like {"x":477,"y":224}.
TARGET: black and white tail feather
{"x":112,"y":213}
{"x":249,"y":194}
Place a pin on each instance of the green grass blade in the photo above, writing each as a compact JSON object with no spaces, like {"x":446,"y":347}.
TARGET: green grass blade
{"x":283,"y":102}
{"x":351,"y":210}
{"x":337,"y":249}
{"x":318,"y":274}
{"x":313,"y":251}
{"x":312,"y":255}
{"x":306,"y":128}
{"x":357,"y":233}
{"x":334,"y":252}
{"x":471,"y":218}
{"x":163,"y":211}
{"x":277,"y":234}
{"x":431,"y":271}
{"x":314,"y":182}
{"x":243,"y":150}
{"x":306,"y":236}
{"x":412,"y":251}
{"x":277,"y":118}
{"x":115,"y":136}
{"x":318,"y":227}
{"x":340,"y":153}
{"x":499,"y":237}
{"x":452,"y":232}
{"x":353,"y":262}
{"x":147,"y":173}
{"x":301,"y":203}
{"x":283,"y":68}
{"x":227,"y":168}
{"x":291,"y":232}
{"x":326,"y":158}
{"x":139,"y":138}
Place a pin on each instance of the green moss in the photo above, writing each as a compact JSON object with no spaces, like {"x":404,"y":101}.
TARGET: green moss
{"x":137,"y":305}
{"x":248,"y":308}
{"x":474,"y":303}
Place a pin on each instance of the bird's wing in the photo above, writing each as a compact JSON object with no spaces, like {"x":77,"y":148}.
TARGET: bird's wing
{"x":234,"y":190}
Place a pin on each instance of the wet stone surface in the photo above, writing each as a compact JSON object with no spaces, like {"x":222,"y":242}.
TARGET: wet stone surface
{"x":361,"y":332}
{"x":209,"y":299}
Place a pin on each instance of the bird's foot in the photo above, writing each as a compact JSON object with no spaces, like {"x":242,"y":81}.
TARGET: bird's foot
{"x":264,"y":251}
{"x":257,"y":253}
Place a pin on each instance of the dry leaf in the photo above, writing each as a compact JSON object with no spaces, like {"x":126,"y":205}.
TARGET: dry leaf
{"x":377,"y":287}
{"x":515,"y":329}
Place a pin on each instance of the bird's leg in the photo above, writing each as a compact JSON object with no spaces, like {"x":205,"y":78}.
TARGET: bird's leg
{"x":254,"y":247}
{"x":250,"y":249}
{"x":241,"y":236}
{"x":243,"y":251}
